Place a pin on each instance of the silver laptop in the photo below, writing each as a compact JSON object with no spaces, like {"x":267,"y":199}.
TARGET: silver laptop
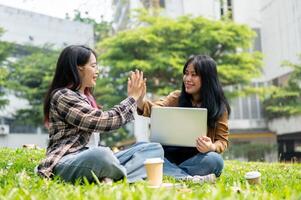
{"x":178,"y":126}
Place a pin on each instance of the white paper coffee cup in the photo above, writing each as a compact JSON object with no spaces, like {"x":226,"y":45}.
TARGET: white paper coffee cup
{"x":253,"y":177}
{"x":154,"y":171}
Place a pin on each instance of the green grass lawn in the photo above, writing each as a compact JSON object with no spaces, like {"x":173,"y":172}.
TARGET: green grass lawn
{"x":17,"y":181}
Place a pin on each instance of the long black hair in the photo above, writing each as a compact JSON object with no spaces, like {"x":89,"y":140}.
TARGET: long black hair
{"x":211,"y":92}
{"x":66,"y":73}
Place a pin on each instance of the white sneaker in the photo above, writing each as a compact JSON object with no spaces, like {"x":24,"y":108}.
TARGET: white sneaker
{"x":107,"y":180}
{"x":210,"y":178}
{"x":35,"y":170}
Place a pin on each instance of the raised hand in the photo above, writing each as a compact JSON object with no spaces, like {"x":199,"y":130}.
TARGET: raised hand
{"x":136,"y":85}
{"x":140,"y":99}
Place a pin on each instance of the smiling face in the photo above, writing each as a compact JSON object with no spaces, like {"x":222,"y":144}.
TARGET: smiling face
{"x":88,"y":73}
{"x":192,"y":81}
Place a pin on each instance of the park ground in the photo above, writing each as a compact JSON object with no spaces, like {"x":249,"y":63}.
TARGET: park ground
{"x":18,"y":181}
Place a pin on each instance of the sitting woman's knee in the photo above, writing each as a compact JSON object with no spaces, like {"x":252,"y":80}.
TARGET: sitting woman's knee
{"x":151,"y":149}
{"x":216,"y":161}
{"x":157,"y":148}
{"x":103,"y":156}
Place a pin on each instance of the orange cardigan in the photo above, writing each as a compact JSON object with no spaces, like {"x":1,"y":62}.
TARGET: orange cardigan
{"x":219,"y":134}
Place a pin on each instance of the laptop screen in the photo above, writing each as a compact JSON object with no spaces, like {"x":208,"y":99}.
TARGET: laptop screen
{"x":177,"y":126}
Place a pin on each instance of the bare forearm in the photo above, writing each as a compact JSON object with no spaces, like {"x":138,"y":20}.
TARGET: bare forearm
{"x":140,"y":105}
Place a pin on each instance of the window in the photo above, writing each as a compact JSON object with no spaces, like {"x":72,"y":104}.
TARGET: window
{"x":229,"y":3}
{"x":226,"y":8}
{"x":162,"y":3}
{"x":229,"y":8}
{"x":222,"y":8}
{"x":146,"y":3}
{"x":257,"y":41}
{"x":298,"y":146}
{"x":31,"y":38}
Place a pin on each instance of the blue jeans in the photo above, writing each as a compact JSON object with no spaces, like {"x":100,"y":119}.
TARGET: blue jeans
{"x":200,"y":164}
{"x":104,"y":163}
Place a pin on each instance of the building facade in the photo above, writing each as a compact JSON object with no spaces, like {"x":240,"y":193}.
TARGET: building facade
{"x":25,"y":27}
{"x":170,"y":8}
{"x":281,"y":40}
{"x":247,"y":112}
{"x":281,"y":35}
{"x":278,"y":27}
{"x":28,"y":28}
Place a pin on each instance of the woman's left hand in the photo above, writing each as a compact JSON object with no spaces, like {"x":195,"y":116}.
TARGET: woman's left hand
{"x":204,"y":144}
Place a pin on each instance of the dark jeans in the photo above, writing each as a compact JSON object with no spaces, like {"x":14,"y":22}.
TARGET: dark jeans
{"x":184,"y":161}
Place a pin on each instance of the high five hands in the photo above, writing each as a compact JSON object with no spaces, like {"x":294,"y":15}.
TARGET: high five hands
{"x":137,"y":86}
{"x":204,"y":144}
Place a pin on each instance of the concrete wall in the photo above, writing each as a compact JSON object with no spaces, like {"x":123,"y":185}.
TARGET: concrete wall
{"x":18,"y":140}
{"x":14,"y":104}
{"x":286,"y":125}
{"x":247,"y":12}
{"x":205,"y":8}
{"x":281,"y":34}
{"x":141,"y":128}
{"x":247,"y":124}
{"x":24,"y":27}
{"x":173,"y":9}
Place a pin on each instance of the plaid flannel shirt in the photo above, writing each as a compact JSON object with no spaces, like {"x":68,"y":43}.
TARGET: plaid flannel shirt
{"x":72,"y":120}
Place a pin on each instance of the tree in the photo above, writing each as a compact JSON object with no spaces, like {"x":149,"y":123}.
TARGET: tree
{"x":3,"y":75}
{"x":5,"y":50}
{"x":102,"y":29}
{"x":30,"y":77}
{"x":31,"y":74}
{"x":286,"y":100}
{"x":162,"y":45}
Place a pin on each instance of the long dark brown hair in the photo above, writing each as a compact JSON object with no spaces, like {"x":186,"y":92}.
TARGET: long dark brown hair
{"x":211,"y":92}
{"x":67,"y":76}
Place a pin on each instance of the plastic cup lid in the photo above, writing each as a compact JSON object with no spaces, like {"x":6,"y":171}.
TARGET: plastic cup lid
{"x":252,"y":174}
{"x":153,"y":160}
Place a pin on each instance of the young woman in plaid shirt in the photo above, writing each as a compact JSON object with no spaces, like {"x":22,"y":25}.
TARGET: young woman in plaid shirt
{"x":72,"y":116}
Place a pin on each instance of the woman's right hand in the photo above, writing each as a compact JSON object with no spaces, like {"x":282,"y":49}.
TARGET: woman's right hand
{"x":205,"y":144}
{"x":141,"y":98}
{"x":136,"y":85}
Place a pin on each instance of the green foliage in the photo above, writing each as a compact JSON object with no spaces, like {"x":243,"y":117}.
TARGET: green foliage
{"x":3,"y":76}
{"x":30,"y":77}
{"x":101,"y":29}
{"x":5,"y":51}
{"x":32,"y":73}
{"x":18,"y":181}
{"x":286,"y":100}
{"x":5,"y":48}
{"x":162,"y":45}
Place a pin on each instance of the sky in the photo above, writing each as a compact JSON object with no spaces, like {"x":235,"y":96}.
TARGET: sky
{"x":59,"y":8}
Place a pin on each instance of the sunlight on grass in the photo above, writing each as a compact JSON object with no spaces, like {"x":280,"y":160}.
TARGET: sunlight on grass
{"x":18,"y":181}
